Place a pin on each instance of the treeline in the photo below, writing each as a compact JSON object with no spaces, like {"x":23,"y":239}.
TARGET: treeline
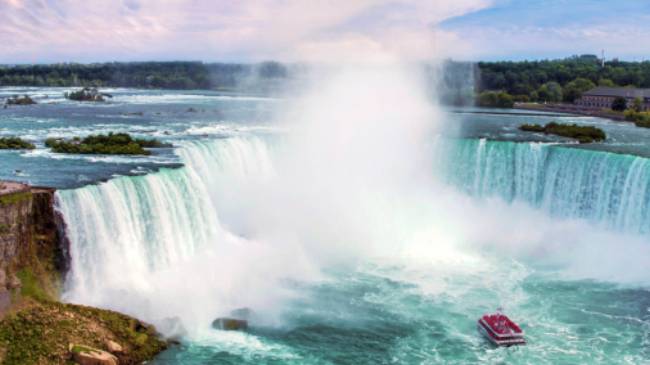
{"x":160,"y":75}
{"x":557,"y":80}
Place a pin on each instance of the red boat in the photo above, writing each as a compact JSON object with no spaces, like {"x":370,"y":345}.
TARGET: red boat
{"x":500,"y":330}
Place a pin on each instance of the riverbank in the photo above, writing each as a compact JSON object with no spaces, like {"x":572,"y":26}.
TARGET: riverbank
{"x":35,"y":328}
{"x":571,"y":109}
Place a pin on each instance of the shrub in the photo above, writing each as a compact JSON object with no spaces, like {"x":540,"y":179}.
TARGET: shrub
{"x":495,"y":99}
{"x":584,"y":134}
{"x":532,"y":128}
{"x":640,"y":119}
{"x":104,"y":144}
{"x":15,"y":143}
{"x":86,"y":94}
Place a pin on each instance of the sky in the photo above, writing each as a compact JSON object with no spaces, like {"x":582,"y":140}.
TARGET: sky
{"x":45,"y":31}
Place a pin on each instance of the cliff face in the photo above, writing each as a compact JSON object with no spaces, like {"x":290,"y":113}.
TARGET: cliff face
{"x":35,"y":328}
{"x":31,"y":247}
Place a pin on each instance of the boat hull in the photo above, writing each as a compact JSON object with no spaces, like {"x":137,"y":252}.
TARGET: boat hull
{"x":505,"y":341}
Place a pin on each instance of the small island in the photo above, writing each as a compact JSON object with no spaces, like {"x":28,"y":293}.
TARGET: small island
{"x":18,"y":100}
{"x":15,"y":143}
{"x":105,"y":144}
{"x":87,"y":94}
{"x":584,"y":134}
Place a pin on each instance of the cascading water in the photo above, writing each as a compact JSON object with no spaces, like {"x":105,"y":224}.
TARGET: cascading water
{"x":132,"y":236}
{"x":250,"y":220}
{"x":128,"y":230}
{"x":610,"y":189}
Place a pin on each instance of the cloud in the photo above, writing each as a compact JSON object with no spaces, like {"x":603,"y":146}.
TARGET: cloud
{"x":248,"y":30}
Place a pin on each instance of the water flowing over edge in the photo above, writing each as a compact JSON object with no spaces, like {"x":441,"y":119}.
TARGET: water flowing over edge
{"x":138,"y":244}
{"x":611,"y":190}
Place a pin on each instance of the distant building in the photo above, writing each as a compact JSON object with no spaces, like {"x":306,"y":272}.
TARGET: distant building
{"x":602,"y":97}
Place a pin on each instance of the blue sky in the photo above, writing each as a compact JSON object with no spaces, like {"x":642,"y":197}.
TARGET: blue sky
{"x":525,"y":29}
{"x":41,"y":31}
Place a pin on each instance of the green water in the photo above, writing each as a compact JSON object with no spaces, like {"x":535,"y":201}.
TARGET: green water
{"x":394,"y":314}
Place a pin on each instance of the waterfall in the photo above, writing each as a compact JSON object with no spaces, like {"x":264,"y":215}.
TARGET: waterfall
{"x":129,"y":234}
{"x":191,"y":242}
{"x":612,"y":190}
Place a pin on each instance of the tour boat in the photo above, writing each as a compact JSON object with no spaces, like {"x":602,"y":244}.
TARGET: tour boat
{"x":500,"y":330}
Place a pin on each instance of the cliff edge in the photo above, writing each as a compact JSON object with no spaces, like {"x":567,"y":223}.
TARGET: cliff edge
{"x":35,"y":328}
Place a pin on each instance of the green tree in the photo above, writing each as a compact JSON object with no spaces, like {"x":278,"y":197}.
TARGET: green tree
{"x":606,"y":83}
{"x":619,"y":104}
{"x":574,"y":89}
{"x":496,"y":99}
{"x":550,"y":91}
{"x":637,"y":105}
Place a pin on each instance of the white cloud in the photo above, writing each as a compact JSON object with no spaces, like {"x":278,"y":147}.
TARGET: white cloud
{"x":69,"y":30}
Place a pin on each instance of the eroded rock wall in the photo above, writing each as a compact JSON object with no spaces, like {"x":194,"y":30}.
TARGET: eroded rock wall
{"x":30,"y":243}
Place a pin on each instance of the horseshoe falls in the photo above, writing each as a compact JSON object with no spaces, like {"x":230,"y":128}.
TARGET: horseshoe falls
{"x":183,"y":246}
{"x":612,"y":190}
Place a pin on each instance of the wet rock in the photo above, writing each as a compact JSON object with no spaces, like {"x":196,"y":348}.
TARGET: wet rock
{"x":85,"y":355}
{"x":87,"y":94}
{"x":230,"y":324}
{"x":17,"y":100}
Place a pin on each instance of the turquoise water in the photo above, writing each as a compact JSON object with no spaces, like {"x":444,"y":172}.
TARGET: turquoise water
{"x":606,"y":188}
{"x":398,"y":309}
{"x":553,"y":232}
{"x":380,"y":318}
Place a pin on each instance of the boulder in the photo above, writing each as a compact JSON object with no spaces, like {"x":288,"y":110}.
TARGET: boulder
{"x":84,"y":355}
{"x":114,"y":347}
{"x":230,"y":324}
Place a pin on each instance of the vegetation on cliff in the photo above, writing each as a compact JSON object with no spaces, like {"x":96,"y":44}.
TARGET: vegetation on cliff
{"x":584,"y":134}
{"x":15,"y":143}
{"x":105,"y":144}
{"x":36,"y":328}
{"x":40,"y":331}
{"x":18,"y":100}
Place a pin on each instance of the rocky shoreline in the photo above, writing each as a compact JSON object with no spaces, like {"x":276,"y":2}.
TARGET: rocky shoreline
{"x":35,"y":328}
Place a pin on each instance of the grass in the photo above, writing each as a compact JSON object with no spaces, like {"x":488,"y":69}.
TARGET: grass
{"x":31,"y":285}
{"x":11,"y":199}
{"x":42,"y":332}
{"x":77,"y":349}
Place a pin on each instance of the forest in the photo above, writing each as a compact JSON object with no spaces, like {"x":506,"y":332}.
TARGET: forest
{"x":555,"y":80}
{"x":486,"y":83}
{"x":157,"y":75}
